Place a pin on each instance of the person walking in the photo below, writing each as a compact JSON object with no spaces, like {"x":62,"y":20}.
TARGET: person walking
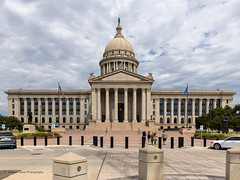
{"x":164,"y":136}
{"x":149,"y":136}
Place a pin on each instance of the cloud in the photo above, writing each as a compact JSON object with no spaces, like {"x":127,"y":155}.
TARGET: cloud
{"x":45,"y":42}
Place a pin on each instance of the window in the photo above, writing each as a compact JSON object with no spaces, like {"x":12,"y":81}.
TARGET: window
{"x":78,"y":106}
{"x":13,"y":106}
{"x":175,"y":107}
{"x":57,"y":120}
{"x":71,"y":120}
{"x":49,"y":106}
{"x":12,"y":100}
{"x":85,"y":100}
{"x":161,"y":120}
{"x":28,"y":105}
{"x":22,"y":119}
{"x":63,"y":106}
{"x":77,"y":127}
{"x":189,"y":120}
{"x":85,"y":112}
{"x":153,"y":100}
{"x":161,"y":106}
{"x":78,"y":119}
{"x":50,"y":120}
{"x":227,"y":101}
{"x":218,"y":103}
{"x":70,"y":106}
{"x":85,"y":106}
{"x":154,"y":113}
{"x":85,"y":120}
{"x":168,"y":120}
{"x":175,"y":120}
{"x":182,"y":120}
{"x":57,"y":106}
{"x":36,"y":120}
{"x":204,"y":107}
{"x":43,"y":119}
{"x":182,"y":107}
{"x":168,"y":106}
{"x":35,"y":106}
{"x":64,"y":120}
{"x":154,"y":106}
{"x":197,"y":107}
{"x":70,"y":127}
{"x":13,"y":112}
{"x":189,"y":107}
{"x":43,"y":106}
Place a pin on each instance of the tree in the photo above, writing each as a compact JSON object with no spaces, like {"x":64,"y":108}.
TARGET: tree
{"x":11,"y":122}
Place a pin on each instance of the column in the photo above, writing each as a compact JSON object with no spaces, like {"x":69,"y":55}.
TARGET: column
{"x":99,"y":104}
{"x":186,"y":113}
{"x":179,"y":111}
{"x":25,"y":111}
{"x":164,"y":110}
{"x":134,"y":105}
{"x":125,"y":105}
{"x":214,"y":104}
{"x":200,"y":107}
{"x":193,"y":112}
{"x":94,"y":109}
{"x":67,"y":111}
{"x":107,"y":105}
{"x":171,"y":112}
{"x":53,"y":111}
{"x":157,"y":110}
{"x":207,"y":106}
{"x":149,"y":104}
{"x":143,"y":105}
{"x":116,"y":104}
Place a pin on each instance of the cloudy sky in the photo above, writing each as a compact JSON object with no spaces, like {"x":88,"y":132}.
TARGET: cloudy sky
{"x":188,"y":41}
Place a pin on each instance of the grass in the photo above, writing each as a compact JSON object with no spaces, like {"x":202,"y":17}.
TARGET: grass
{"x":215,"y":135}
{"x":37,"y":134}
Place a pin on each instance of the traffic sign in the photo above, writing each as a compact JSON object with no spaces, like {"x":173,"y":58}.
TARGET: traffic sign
{"x":53,"y":125}
{"x":3,"y":126}
{"x":201,"y":127}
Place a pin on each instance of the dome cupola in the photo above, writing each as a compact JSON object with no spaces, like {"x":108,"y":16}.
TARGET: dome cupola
{"x":118,"y":51}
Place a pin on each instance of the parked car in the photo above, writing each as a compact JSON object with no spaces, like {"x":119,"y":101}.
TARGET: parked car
{"x":7,"y":139}
{"x":227,"y":143}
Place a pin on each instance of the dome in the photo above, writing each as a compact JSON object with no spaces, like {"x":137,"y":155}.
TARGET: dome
{"x":119,"y":43}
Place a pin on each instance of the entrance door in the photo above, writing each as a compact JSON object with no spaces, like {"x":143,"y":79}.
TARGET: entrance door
{"x":120,"y":112}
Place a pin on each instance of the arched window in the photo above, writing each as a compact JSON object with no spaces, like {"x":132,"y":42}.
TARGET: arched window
{"x":22,"y":119}
{"x":36,"y":120}
{"x":43,"y":119}
{"x":189,"y":120}
{"x":168,"y":120}
{"x":161,"y":120}
{"x":175,"y":120}
{"x":78,"y":119}
{"x":71,"y":120}
{"x":182,"y":120}
{"x":57,"y":120}
{"x":64,"y":120}
{"x":50,"y":120}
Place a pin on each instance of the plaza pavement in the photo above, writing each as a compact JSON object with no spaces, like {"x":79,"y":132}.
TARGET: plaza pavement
{"x":35,"y":162}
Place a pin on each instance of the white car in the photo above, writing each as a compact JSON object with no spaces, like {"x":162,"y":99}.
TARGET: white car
{"x":227,"y":143}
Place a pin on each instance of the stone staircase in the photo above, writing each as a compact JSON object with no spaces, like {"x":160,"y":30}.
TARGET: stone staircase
{"x":117,"y":126}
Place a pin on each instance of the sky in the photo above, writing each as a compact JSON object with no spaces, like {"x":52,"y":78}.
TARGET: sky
{"x":188,"y":41}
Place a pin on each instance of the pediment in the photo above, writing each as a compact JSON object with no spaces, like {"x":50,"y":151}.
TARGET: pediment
{"x":120,"y":77}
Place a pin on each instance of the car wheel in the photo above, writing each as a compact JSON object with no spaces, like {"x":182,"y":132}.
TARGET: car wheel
{"x":217,"y":146}
{"x":15,"y":147}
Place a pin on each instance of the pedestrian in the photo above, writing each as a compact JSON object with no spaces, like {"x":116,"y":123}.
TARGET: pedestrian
{"x":155,"y":138}
{"x":149,"y":136}
{"x":152,"y":136}
{"x":144,"y":136}
{"x":164,"y":136}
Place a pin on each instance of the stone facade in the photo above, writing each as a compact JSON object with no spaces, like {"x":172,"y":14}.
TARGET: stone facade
{"x":118,"y":95}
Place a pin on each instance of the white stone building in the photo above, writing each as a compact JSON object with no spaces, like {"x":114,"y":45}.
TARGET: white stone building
{"x":118,"y":98}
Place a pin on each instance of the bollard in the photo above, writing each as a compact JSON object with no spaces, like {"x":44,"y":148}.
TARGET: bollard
{"x":111,"y":142}
{"x":101,"y":141}
{"x":233,"y":163}
{"x":204,"y":142}
{"x":70,"y":166}
{"x":58,"y":140}
{"x":192,"y":141}
{"x":96,"y":141}
{"x":82,"y":140}
{"x":150,"y":164}
{"x":22,"y":143}
{"x":70,"y":140}
{"x":182,"y":142}
{"x":172,"y":142}
{"x":159,"y":142}
{"x":35,"y":140}
{"x":143,"y":142}
{"x":45,"y":140}
{"x":179,"y":142}
{"x":126,"y":142}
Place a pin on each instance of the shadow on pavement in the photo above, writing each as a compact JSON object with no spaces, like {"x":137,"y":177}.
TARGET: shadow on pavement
{"x":6,"y":173}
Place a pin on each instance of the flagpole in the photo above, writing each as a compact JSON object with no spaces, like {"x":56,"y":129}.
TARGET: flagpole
{"x":58,"y":108}
{"x":187,"y":105}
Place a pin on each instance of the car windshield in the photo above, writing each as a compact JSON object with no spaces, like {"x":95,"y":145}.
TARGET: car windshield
{"x":6,"y":134}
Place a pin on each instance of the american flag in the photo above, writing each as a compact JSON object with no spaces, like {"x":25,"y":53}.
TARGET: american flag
{"x":60,"y":90}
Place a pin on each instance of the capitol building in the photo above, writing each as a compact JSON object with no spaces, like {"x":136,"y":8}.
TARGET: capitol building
{"x":119,"y":98}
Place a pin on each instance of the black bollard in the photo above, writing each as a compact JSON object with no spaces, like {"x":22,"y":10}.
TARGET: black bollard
{"x":96,"y":141}
{"x":159,"y":142}
{"x":70,"y":140}
{"x":204,"y":142}
{"x":35,"y":140}
{"x":58,"y":140}
{"x":179,"y":142}
{"x":111,"y":142}
{"x":143,"y":142}
{"x":192,"y":141}
{"x":101,"y":141}
{"x":22,"y":143}
{"x":182,"y":143}
{"x":45,"y":140}
{"x":172,"y":142}
{"x":126,"y":142}
{"x":82,"y":140}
